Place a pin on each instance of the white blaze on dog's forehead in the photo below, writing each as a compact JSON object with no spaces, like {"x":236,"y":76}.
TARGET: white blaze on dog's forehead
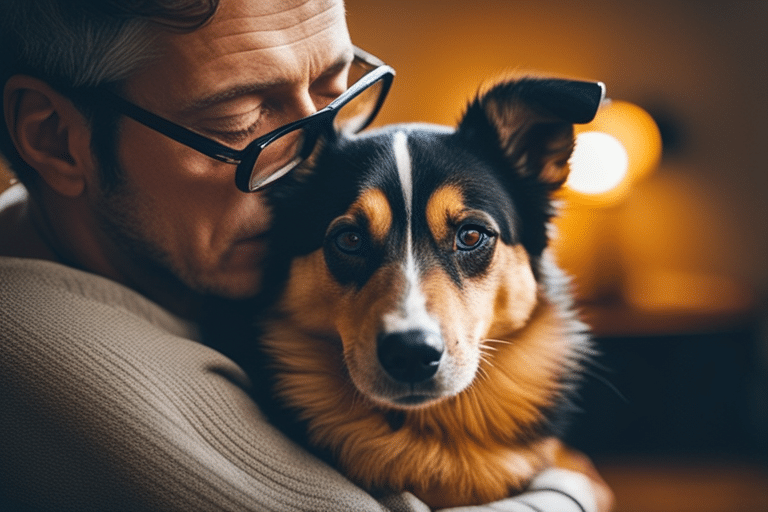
{"x":404,"y":170}
{"x":403,"y":159}
{"x":411,"y":313}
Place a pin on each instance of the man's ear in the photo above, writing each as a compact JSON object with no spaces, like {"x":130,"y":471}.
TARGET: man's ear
{"x":531,"y":121}
{"x":49,"y":133}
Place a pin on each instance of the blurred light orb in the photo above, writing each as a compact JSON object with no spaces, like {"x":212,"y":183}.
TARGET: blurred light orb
{"x":620,"y":147}
{"x":599,"y":163}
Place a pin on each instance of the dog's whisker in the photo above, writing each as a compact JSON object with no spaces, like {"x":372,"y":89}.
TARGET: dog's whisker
{"x":484,"y":374}
{"x":488,"y":351}
{"x":486,"y":362}
{"x":493,"y":340}
{"x":604,"y":380}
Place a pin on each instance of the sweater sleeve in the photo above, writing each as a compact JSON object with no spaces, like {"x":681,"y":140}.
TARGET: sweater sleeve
{"x":552,"y":490}
{"x":108,"y":402}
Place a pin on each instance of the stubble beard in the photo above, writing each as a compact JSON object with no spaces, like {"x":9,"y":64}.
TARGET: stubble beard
{"x":125,"y":218}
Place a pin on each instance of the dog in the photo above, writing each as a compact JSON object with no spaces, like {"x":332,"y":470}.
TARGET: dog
{"x":421,"y":332}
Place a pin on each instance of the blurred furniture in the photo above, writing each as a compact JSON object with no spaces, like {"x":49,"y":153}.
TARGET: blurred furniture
{"x":675,"y":412}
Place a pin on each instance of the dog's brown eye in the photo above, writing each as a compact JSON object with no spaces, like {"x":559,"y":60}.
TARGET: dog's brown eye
{"x":349,"y":242}
{"x":470,"y":237}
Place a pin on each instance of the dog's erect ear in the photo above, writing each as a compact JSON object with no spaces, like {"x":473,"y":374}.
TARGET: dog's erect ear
{"x":531,"y":120}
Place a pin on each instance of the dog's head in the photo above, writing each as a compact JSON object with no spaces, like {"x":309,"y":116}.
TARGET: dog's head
{"x":418,"y":247}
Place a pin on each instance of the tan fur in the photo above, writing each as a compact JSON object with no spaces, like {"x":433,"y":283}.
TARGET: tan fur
{"x":515,"y":297}
{"x":444,"y":206}
{"x":374,"y":205}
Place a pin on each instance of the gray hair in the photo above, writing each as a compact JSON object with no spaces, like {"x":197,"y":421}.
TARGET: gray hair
{"x":85,"y":43}
{"x":79,"y":52}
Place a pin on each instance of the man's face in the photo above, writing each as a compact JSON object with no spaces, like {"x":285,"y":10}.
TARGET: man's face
{"x":257,"y":65}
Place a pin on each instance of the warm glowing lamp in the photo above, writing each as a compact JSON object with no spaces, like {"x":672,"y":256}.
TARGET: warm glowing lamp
{"x":599,"y":164}
{"x":619,"y":147}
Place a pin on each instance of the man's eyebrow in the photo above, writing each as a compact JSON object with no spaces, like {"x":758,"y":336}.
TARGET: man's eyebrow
{"x":205,"y":102}
{"x":340,"y":63}
{"x":235,"y":91}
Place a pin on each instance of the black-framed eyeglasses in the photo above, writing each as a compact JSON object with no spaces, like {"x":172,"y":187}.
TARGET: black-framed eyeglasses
{"x":275,"y":154}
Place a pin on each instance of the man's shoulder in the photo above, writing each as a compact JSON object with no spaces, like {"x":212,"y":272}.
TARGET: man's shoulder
{"x":39,"y":293}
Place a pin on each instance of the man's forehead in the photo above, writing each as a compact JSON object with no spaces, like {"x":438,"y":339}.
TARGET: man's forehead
{"x":247,"y":25}
{"x":260,"y":83}
{"x":247,"y":45}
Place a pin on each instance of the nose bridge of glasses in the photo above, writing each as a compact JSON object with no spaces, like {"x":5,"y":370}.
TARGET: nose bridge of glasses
{"x":353,"y":110}
{"x":281,"y":150}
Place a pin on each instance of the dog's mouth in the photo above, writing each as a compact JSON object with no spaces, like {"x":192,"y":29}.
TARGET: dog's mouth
{"x":416,"y":400}
{"x":412,"y":400}
{"x":408,"y":397}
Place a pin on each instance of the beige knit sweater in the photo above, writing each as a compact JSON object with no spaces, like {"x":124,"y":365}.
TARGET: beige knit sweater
{"x":108,"y":402}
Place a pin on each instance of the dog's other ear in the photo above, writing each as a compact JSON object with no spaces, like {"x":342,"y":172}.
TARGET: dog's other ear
{"x":532,"y":121}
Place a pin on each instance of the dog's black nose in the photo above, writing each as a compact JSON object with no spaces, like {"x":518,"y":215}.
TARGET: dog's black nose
{"x":410,"y":356}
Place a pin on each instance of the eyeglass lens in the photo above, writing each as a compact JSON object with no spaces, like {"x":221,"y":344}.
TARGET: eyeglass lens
{"x":356,"y":114}
{"x":282,"y":155}
{"x":277,"y":159}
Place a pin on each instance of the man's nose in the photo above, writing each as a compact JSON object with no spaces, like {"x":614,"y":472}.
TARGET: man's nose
{"x":302,"y":105}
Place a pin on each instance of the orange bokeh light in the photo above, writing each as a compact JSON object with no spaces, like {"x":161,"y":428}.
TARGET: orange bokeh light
{"x":618,"y":148}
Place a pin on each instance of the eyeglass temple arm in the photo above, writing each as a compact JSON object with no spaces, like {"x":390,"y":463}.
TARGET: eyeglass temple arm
{"x":174,"y":131}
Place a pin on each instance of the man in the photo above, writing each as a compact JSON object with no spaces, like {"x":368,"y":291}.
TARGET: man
{"x":119,"y":231}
